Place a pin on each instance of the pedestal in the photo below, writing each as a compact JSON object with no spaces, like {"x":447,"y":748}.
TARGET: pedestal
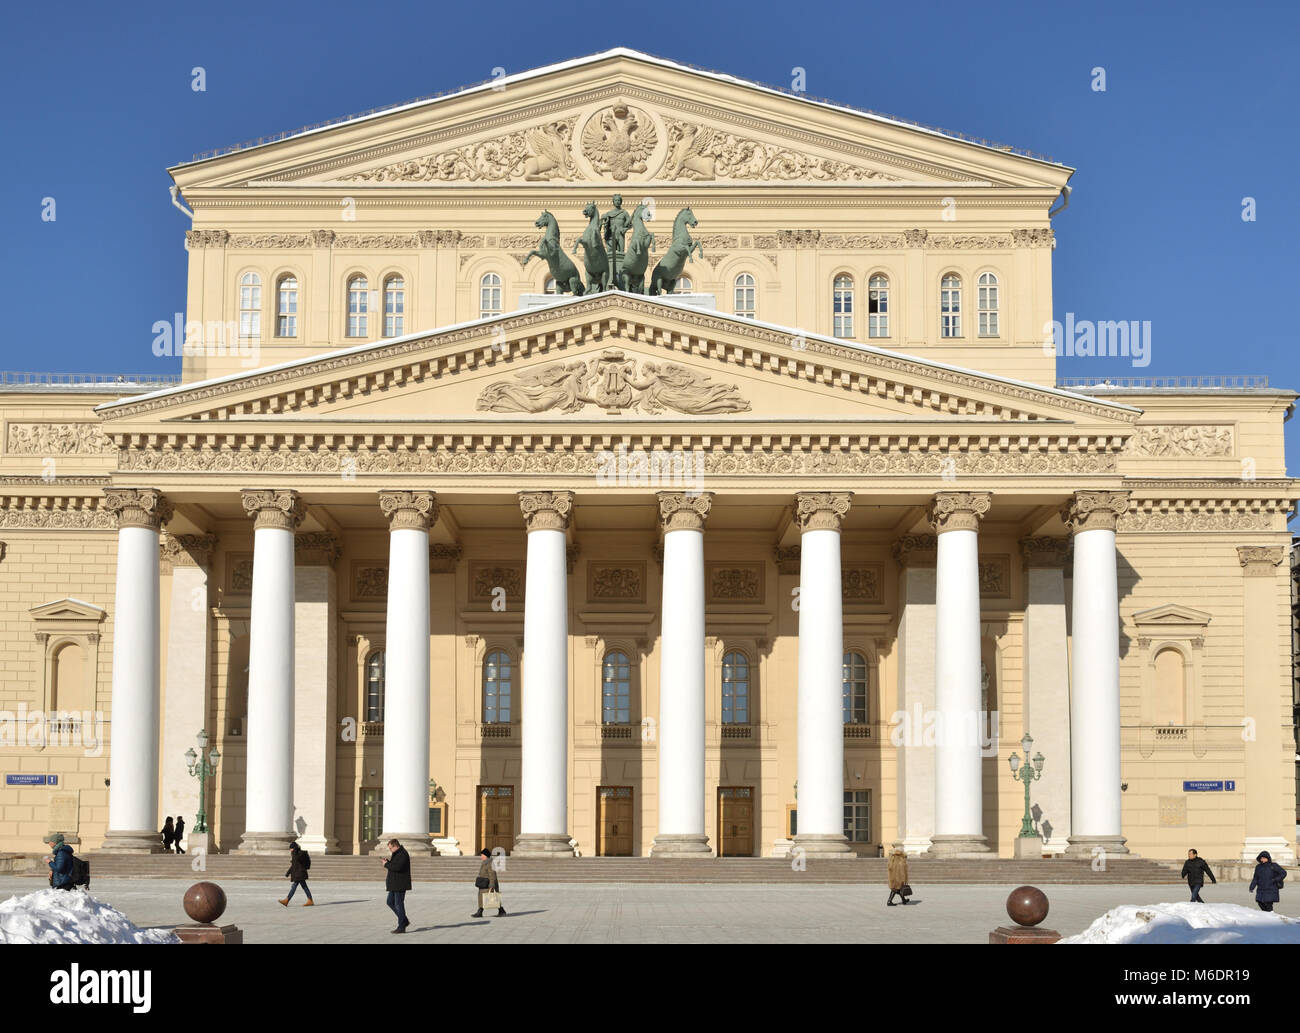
{"x":1029,"y":848}
{"x":201,"y":932}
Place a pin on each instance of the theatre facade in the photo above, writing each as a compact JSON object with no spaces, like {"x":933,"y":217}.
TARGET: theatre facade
{"x":787,"y":557}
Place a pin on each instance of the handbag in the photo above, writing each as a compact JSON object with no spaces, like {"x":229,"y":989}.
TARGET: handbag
{"x":905,"y":890}
{"x":492,"y":899}
{"x":482,"y":882}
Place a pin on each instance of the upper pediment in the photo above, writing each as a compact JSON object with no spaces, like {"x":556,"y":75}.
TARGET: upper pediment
{"x":616,"y":118}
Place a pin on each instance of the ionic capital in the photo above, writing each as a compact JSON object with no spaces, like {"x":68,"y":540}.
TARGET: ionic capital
{"x":821,"y":510}
{"x":138,"y":507}
{"x":316,"y":549}
{"x":958,"y":510}
{"x":546,"y":510}
{"x":1260,"y":560}
{"x":1095,"y":510}
{"x":409,"y":510}
{"x":186,"y":550}
{"x":684,"y":510}
{"x":1045,"y":552}
{"x":271,"y":507}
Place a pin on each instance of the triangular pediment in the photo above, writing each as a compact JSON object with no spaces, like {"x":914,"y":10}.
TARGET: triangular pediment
{"x":618,"y":358}
{"x":619,"y":118}
{"x":1171,"y":615}
{"x":67,"y":609}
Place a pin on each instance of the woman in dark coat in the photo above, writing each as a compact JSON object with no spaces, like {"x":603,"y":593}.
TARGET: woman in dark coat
{"x":168,"y":835}
{"x":180,"y":833}
{"x":487,"y":881}
{"x":1267,"y":881}
{"x":398,"y":882}
{"x":299,"y":862}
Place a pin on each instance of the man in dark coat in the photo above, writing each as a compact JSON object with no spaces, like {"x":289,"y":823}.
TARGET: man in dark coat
{"x":1267,"y":881}
{"x":1194,"y":871}
{"x":180,"y":831}
{"x":60,"y":863}
{"x":299,"y":862}
{"x":398,"y":882}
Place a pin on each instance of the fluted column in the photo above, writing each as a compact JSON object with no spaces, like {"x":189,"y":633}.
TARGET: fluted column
{"x":406,"y":670}
{"x":268,"y":777}
{"x":133,"y":819}
{"x":681,"y":678}
{"x":958,"y":763}
{"x":821,"y":675}
{"x":544,"y":807}
{"x":1095,"y":810}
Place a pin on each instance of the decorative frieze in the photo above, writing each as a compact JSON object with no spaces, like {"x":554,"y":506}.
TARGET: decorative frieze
{"x":958,"y":510}
{"x":412,"y":510}
{"x":57,"y":439}
{"x":968,"y":242}
{"x":239,"y":573}
{"x":862,"y":583}
{"x":486,"y":578}
{"x":281,"y":509}
{"x":684,"y":511}
{"x":444,"y":558}
{"x":316,"y":549}
{"x":821,"y":510}
{"x":1033,"y":238}
{"x":1177,"y":440}
{"x":1045,"y":551}
{"x":703,"y":153}
{"x":734,"y":583}
{"x":369,"y":580}
{"x":185,"y":550}
{"x":995,"y":576}
{"x":546,"y":510}
{"x":616,"y":582}
{"x":1260,"y":560}
{"x":138,"y":507}
{"x":618,"y":140}
{"x":55,"y":514}
{"x":916,"y":550}
{"x":195,"y":239}
{"x":862,"y":241}
{"x":787,"y":558}
{"x":1095,"y":510}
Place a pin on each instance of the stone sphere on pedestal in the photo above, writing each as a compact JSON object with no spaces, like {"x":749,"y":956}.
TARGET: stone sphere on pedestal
{"x":205,"y":902}
{"x":1027,"y":905}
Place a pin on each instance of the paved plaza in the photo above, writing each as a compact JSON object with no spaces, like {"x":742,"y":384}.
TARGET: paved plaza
{"x":353,"y":912}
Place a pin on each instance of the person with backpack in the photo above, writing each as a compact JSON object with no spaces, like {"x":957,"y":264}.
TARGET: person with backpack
{"x":1194,"y":871}
{"x":61,"y":876}
{"x":180,"y":831}
{"x":299,"y":862}
{"x":1267,"y":881}
{"x":168,"y":835}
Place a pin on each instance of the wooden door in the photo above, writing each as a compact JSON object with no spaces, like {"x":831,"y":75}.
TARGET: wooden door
{"x":735,"y":821}
{"x":614,"y":821}
{"x":496,"y":817}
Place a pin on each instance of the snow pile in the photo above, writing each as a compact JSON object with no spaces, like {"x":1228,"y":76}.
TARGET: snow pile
{"x":70,"y":916}
{"x":1189,"y":923}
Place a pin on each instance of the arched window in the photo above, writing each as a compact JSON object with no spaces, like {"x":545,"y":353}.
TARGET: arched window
{"x":498,"y":687}
{"x":988,"y":305}
{"x":549,"y":286}
{"x":1169,"y":704}
{"x":616,"y":689}
{"x":358,"y":307}
{"x":489,"y":296}
{"x":842,"y":307}
{"x":286,"y":307}
{"x":745,"y":296}
{"x":250,"y":306}
{"x":68,"y":678}
{"x":375,"y":686}
{"x":735,"y":689}
{"x":950,"y":306}
{"x":684,"y":285}
{"x":855,"y":688}
{"x":878,"y":306}
{"x":394,"y":306}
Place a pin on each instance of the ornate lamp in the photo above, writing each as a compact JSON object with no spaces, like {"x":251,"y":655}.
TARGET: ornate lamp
{"x":202,"y":768}
{"x":1029,"y":772}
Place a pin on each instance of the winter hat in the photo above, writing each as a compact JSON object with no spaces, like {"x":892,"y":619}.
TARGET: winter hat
{"x":1264,"y":855}
{"x":56,"y":840}
{"x":485,"y":852}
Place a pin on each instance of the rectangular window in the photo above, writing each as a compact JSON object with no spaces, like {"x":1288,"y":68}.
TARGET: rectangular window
{"x":372,"y":813}
{"x":857,"y":815}
{"x":394,"y":308}
{"x":878,"y":312}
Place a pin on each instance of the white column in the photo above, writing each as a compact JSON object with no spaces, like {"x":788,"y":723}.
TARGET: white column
{"x":133,"y":819}
{"x":820,"y":801}
{"x":315,"y":675}
{"x":1047,"y":684}
{"x":681,"y":678}
{"x":915,"y":554}
{"x":544,"y":806}
{"x":406,"y":671}
{"x":958,"y":762}
{"x":1095,"y":812}
{"x":268,"y":787}
{"x":186,"y":687}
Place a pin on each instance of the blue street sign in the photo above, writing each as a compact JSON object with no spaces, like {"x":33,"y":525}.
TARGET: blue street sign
{"x":31,"y":780}
{"x":1209,"y":786}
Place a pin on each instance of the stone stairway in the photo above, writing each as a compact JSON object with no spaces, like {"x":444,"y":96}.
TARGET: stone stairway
{"x":760,"y":871}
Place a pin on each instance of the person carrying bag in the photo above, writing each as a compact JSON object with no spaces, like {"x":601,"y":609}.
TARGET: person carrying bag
{"x":489,"y":887}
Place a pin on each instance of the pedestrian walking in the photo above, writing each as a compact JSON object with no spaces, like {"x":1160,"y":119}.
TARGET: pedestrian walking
{"x":299,"y":862}
{"x":180,"y":831}
{"x":398,"y":882}
{"x":1267,"y":881}
{"x":898,"y":878}
{"x":487,"y":882}
{"x":60,"y":863}
{"x":168,"y":835}
{"x":1194,"y":871}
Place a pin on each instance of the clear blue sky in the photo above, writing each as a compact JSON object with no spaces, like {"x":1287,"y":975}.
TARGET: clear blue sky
{"x":1199,"y":112}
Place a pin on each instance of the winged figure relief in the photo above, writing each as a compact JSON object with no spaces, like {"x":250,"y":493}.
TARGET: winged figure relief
{"x":688,"y":152}
{"x":549,"y":152}
{"x":618,"y":141}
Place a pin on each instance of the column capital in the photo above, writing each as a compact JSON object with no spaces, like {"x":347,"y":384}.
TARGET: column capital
{"x":684,"y":510}
{"x":821,"y":510}
{"x":1045,"y":551}
{"x":1094,"y":510}
{"x":410,"y":510}
{"x":138,"y":507}
{"x":186,"y":550}
{"x":916,"y":550}
{"x":1260,"y":560}
{"x":316,"y":549}
{"x":272,"y":507}
{"x":958,"y":510}
{"x":546,"y":510}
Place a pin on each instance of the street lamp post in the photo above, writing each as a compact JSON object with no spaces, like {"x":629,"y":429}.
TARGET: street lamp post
{"x":1027,"y":773}
{"x":202,"y":768}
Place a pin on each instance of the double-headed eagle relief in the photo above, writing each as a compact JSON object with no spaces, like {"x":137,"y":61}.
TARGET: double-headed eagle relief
{"x":612,"y":382}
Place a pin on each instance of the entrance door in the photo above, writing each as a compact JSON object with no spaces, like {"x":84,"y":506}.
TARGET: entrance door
{"x":496,"y":817}
{"x":614,"y":821}
{"x":735,"y":821}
